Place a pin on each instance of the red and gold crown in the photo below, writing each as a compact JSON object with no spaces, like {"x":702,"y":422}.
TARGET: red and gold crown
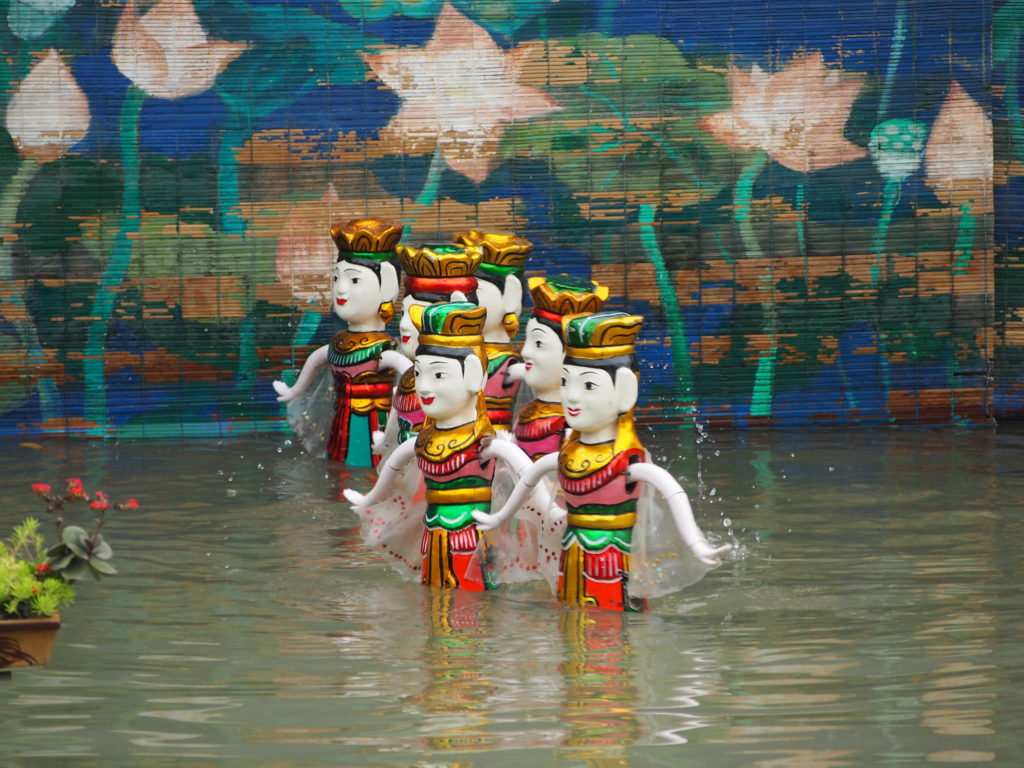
{"x":556,"y":297}
{"x":437,"y":271}
{"x":504,"y":254}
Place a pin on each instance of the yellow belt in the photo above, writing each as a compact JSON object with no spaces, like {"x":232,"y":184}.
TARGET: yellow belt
{"x":458,"y":495}
{"x":602,"y":522}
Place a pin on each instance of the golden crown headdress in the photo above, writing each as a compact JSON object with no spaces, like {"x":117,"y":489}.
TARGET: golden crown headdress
{"x":450,"y":328}
{"x":555,"y":297}
{"x":603,"y":339}
{"x":503,"y":254}
{"x":367,"y":238}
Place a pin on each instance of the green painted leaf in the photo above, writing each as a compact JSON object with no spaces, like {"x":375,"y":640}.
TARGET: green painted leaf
{"x":633,"y":127}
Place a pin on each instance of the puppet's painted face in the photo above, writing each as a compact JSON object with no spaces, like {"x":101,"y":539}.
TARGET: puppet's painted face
{"x":543,"y":354}
{"x":408,"y":334}
{"x":441,"y":386}
{"x":356,"y":291}
{"x":589,"y":398}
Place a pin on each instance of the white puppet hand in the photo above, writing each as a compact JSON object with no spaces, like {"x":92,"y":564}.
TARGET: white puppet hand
{"x":707,"y":554}
{"x":388,"y":474}
{"x":356,"y":499}
{"x":284,"y":392}
{"x":377,"y":442}
{"x":485,"y":521}
{"x":309,"y":371}
{"x":515,"y":372}
{"x":679,"y":505}
{"x":396,"y":361}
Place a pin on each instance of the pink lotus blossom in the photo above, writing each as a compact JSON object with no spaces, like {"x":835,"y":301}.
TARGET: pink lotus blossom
{"x":49,"y":112}
{"x":167,"y":53}
{"x":958,"y":156}
{"x":458,"y":92}
{"x":796,"y":115}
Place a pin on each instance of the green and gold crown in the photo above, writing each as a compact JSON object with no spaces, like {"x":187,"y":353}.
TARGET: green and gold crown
{"x":504,"y":254}
{"x":565,"y":295}
{"x":367,"y":238}
{"x":601,"y":338}
{"x":439,"y":261}
{"x":450,"y":328}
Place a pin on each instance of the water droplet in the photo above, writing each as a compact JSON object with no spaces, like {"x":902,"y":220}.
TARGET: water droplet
{"x":713,"y":491}
{"x":727,"y":522}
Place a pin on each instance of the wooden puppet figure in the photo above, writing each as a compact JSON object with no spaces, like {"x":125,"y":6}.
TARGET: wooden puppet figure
{"x":501,"y":293}
{"x":453,"y":451}
{"x":606,"y":559}
{"x":343,"y":392}
{"x":540,"y":424}
{"x":433,"y":273}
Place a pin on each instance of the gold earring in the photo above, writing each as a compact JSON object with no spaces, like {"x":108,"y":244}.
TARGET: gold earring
{"x":386,"y":311}
{"x":511,"y":323}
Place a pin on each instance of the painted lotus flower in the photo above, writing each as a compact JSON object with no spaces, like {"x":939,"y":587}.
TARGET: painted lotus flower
{"x":305,"y":251}
{"x":49,"y":112}
{"x":796,"y":115}
{"x":958,"y":157}
{"x":458,"y":92}
{"x":167,"y":53}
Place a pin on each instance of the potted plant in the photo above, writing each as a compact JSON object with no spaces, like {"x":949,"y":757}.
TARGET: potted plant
{"x":36,"y":581}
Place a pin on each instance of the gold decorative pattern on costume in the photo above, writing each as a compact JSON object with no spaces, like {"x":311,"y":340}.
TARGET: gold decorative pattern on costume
{"x":367,"y":235}
{"x":439,"y":260}
{"x":539,"y":409}
{"x":578,"y":459}
{"x":346,"y":342}
{"x":438,"y":445}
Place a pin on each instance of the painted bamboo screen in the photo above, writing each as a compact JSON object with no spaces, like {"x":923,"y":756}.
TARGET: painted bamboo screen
{"x":814,"y":204}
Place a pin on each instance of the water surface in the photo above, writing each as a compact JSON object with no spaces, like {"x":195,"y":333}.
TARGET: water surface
{"x":873,"y":615}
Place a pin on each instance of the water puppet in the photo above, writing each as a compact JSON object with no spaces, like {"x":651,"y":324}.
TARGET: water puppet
{"x":433,"y":274}
{"x":540,"y":423}
{"x":500,"y":292}
{"x":343,"y":392}
{"x":457,"y":456}
{"x":614,"y":553}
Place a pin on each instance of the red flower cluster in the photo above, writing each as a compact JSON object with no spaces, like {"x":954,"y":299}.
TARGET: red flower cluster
{"x":41,"y":489}
{"x":131,"y":504}
{"x":100,"y":505}
{"x":42,"y":569}
{"x":75,"y":489}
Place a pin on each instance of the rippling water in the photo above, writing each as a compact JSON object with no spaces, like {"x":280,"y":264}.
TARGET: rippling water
{"x":873,"y":616}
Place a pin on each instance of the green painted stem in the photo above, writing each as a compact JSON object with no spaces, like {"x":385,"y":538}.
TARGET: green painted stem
{"x":890,"y":199}
{"x":669,"y":305}
{"x":761,"y":397}
{"x":1013,"y":109}
{"x":229,"y":196}
{"x":10,"y":202}
{"x":899,"y":36}
{"x":307,"y":328}
{"x":433,"y":182}
{"x":963,"y":249}
{"x":94,"y":357}
{"x":801,"y":222}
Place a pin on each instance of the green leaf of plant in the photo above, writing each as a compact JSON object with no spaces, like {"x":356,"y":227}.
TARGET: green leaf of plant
{"x":76,"y":540}
{"x":101,"y":549}
{"x":101,"y":566}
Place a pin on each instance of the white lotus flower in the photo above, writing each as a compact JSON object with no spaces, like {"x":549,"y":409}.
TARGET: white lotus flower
{"x":49,"y":112}
{"x":167,"y":53}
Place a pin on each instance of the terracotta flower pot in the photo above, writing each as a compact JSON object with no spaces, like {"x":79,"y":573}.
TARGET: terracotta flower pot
{"x":27,"y":642}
